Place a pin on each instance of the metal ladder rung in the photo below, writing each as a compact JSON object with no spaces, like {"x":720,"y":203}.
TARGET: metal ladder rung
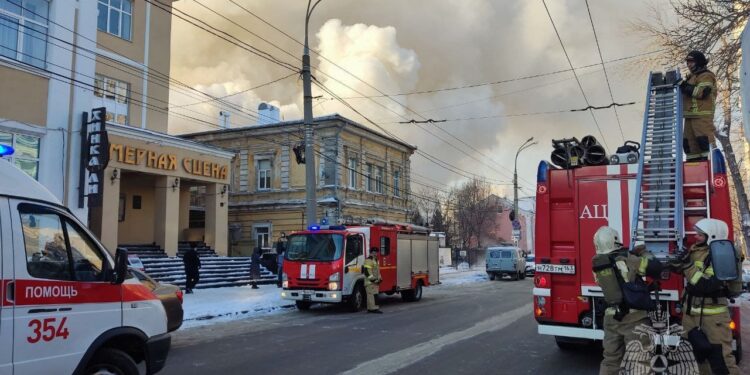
{"x":695,"y":185}
{"x":704,"y":208}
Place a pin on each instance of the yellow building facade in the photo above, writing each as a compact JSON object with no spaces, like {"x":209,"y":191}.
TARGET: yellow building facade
{"x":361,"y":174}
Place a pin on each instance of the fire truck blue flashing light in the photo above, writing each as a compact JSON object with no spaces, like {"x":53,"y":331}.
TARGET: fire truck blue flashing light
{"x":314,"y":227}
{"x":6,"y":150}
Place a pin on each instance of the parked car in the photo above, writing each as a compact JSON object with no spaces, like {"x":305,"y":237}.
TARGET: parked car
{"x":135,"y":262}
{"x":530,"y":265}
{"x":746,"y":275}
{"x":505,"y":261}
{"x":169,"y":295}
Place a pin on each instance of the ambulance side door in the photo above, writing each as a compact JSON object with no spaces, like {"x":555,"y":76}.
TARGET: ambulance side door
{"x":6,"y":299}
{"x":63,"y":298}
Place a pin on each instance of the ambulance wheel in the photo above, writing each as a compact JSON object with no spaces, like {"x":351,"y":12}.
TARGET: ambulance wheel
{"x":357,"y":300}
{"x":302,"y":305}
{"x":112,"y":361}
{"x":491,"y":275}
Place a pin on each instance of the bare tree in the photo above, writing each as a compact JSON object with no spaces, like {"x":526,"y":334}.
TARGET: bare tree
{"x":473,"y":210}
{"x":712,"y":26}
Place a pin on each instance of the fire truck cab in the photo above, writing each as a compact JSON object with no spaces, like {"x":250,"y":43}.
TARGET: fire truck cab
{"x":324,"y":263}
{"x":66,"y":307}
{"x":572,"y":204}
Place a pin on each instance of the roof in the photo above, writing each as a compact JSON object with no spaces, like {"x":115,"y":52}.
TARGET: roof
{"x":316,"y":120}
{"x":168,"y":140}
{"x":15,"y":182}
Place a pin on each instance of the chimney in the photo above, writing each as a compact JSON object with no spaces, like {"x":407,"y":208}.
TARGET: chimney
{"x":224,"y":119}
{"x":268,"y":114}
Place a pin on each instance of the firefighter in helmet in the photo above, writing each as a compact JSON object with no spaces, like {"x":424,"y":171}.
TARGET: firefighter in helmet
{"x":706,"y":307}
{"x":372,"y":280}
{"x":614,"y":265}
{"x":698,"y":102}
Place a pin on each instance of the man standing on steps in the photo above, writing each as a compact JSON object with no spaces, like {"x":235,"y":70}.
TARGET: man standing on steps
{"x":192,"y":266}
{"x":255,"y":266}
{"x":372,"y":281}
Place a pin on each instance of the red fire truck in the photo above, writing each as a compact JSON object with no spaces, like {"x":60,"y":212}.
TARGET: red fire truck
{"x":571,"y":205}
{"x":324,"y":263}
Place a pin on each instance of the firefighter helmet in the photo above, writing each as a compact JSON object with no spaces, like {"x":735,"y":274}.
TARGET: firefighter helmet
{"x":697,"y":56}
{"x":606,"y":240}
{"x":714,"y":229}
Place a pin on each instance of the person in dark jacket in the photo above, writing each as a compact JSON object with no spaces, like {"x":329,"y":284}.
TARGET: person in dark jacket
{"x":192,"y":263}
{"x":255,"y":266}
{"x":280,"y":249}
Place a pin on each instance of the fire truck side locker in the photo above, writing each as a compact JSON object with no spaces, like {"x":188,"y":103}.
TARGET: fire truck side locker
{"x":417,"y":255}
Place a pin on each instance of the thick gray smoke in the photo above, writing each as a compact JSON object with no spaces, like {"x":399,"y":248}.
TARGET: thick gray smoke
{"x":404,"y":46}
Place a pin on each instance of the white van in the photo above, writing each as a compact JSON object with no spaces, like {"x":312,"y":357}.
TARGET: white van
{"x":67,"y":308}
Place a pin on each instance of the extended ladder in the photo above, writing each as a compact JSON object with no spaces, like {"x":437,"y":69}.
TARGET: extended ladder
{"x":658,"y":209}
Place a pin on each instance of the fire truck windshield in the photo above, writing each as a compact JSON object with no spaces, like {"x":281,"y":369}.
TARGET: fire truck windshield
{"x":314,"y":246}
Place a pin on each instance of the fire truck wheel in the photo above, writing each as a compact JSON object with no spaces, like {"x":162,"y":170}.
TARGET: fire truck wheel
{"x":112,"y":361}
{"x":413,"y":295}
{"x":302,"y":305}
{"x":357,"y":300}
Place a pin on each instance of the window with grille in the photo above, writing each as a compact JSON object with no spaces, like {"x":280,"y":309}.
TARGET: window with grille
{"x":113,"y":95}
{"x":26,"y":155}
{"x":23,"y":30}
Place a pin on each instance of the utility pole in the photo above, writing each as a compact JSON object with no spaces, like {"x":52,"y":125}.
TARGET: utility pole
{"x":524,"y":146}
{"x":310,"y":183}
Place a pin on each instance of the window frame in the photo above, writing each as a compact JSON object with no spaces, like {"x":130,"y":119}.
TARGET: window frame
{"x":361,"y":240}
{"x":352,"y":173}
{"x":369,"y":178}
{"x":122,"y":12}
{"x":102,"y":98}
{"x":65,"y":221}
{"x":15,"y":156}
{"x":268,"y":235}
{"x":23,"y":32}
{"x":385,"y":245}
{"x":379,"y":173}
{"x":264,"y":175}
{"x":397,"y":182}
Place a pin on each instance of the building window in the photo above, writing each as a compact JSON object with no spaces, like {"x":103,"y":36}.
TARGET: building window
{"x":264,"y":174}
{"x":353,"y":173}
{"x":113,"y":95}
{"x":23,"y":30}
{"x":379,"y":180}
{"x":397,"y":182}
{"x":115,"y":17}
{"x":263,"y":236}
{"x":329,"y":171}
{"x":26,"y":155}
{"x":369,"y":177}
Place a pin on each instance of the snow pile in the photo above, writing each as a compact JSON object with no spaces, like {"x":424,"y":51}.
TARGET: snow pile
{"x":208,"y":306}
{"x":465,"y":277}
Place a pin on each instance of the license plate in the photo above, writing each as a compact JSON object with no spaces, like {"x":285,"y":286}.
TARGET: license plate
{"x":568,"y":269}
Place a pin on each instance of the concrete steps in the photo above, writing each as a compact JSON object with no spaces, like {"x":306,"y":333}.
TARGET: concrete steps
{"x":216,"y":271}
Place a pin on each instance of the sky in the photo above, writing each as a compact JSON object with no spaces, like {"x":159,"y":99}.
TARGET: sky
{"x":406,"y":46}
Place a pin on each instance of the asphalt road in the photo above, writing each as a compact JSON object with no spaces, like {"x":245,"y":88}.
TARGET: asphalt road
{"x":484,"y":327}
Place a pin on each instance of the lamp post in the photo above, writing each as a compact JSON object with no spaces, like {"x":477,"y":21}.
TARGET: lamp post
{"x":310,"y":183}
{"x":524,"y":146}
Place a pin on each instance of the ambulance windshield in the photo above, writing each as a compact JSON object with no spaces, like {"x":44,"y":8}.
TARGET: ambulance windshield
{"x":318,"y":246}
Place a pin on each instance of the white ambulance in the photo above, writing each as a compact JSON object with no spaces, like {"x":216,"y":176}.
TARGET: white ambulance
{"x":66,"y":306}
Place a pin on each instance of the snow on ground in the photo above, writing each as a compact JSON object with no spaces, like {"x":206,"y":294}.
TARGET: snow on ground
{"x":209,"y":306}
{"x":215,"y":305}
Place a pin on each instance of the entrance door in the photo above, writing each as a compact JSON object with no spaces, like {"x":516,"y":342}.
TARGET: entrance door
{"x":6,"y":306}
{"x":63,"y":300}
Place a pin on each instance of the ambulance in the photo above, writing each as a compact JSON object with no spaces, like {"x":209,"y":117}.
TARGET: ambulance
{"x":67,"y":306}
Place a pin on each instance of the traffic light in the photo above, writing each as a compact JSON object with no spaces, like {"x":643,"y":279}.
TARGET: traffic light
{"x":299,"y":153}
{"x":512,"y":215}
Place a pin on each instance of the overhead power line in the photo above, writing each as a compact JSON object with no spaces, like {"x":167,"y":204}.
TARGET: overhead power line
{"x":606,"y":76}
{"x":567,"y":57}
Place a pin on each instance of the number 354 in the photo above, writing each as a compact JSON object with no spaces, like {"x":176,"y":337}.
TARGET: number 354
{"x":47,"y":330}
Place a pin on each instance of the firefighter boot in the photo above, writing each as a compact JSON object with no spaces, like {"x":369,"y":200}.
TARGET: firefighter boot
{"x":716,"y":328}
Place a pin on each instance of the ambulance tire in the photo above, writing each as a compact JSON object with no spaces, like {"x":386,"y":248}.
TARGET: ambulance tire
{"x":491,"y":275}
{"x":302,"y":305}
{"x":114,"y":361}
{"x":357,"y":300}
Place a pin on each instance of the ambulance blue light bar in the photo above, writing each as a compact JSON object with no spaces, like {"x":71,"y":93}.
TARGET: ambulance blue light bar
{"x":6,"y":150}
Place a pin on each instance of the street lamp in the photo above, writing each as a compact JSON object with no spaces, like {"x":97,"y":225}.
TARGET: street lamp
{"x":524,"y":146}
{"x":310,"y":184}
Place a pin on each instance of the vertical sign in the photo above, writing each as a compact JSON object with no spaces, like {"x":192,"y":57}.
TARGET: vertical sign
{"x":94,"y":156}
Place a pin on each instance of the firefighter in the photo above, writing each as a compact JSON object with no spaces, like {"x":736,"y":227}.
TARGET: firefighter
{"x":614,"y":265}
{"x":706,"y":301}
{"x":698,"y":101}
{"x":372,"y":280}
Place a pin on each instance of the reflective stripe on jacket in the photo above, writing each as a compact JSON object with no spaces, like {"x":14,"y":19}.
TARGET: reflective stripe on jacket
{"x":695,"y":104}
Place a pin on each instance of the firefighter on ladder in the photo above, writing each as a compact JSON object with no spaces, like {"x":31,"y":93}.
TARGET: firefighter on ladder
{"x":698,"y":103}
{"x":614,"y":265}
{"x":372,"y":280}
{"x":707,"y":308}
